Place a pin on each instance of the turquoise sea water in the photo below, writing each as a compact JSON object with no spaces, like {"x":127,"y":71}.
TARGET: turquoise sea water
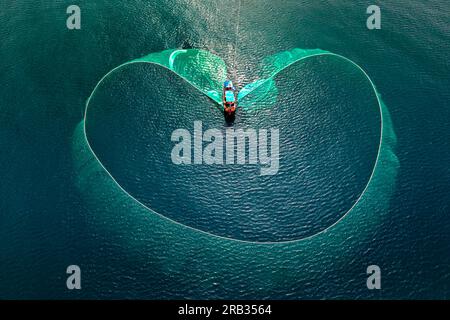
{"x":59,"y":207}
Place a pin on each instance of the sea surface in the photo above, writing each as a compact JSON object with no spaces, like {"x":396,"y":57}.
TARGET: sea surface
{"x":338,"y":203}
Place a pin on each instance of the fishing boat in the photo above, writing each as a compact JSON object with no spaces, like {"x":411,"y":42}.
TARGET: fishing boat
{"x":229,"y":99}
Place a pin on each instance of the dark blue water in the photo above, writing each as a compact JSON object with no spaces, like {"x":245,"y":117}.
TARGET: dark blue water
{"x":58,"y":207}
